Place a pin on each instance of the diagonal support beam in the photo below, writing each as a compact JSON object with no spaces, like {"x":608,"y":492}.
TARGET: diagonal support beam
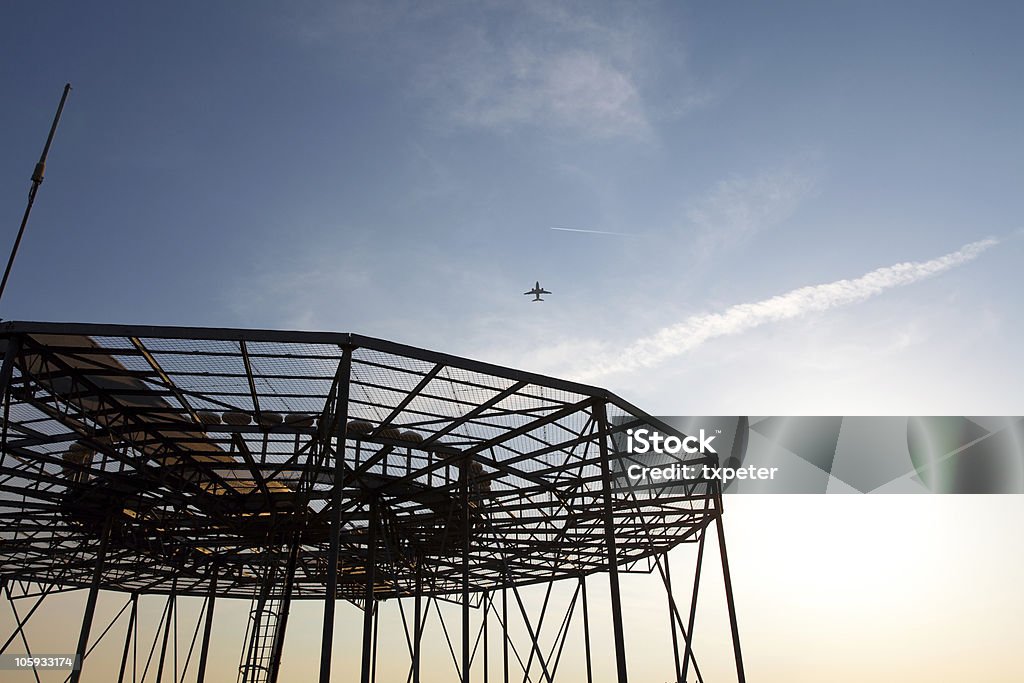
{"x":165,"y":378}
{"x":252,"y":382}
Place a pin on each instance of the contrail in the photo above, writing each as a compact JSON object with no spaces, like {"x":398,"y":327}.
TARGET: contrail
{"x":697,"y":329}
{"x":595,"y":232}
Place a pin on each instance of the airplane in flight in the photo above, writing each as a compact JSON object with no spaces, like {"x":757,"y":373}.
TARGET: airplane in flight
{"x":536,"y":292}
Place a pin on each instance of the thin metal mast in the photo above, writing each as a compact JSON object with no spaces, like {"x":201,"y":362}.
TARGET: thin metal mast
{"x":37,"y":180}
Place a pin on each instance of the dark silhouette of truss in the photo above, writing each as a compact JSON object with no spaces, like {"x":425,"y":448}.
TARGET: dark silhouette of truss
{"x":277,"y":465}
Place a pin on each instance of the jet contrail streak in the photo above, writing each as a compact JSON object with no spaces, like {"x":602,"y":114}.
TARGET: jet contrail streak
{"x":697,"y":329}
{"x":595,"y":232}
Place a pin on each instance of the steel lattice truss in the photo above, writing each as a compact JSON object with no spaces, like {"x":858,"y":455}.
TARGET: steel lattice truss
{"x":208,"y":455}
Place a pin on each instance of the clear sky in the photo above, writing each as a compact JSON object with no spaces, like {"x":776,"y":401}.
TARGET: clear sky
{"x":818,"y":204}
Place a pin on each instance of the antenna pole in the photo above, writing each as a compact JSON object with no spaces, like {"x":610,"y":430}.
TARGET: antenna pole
{"x":37,"y":180}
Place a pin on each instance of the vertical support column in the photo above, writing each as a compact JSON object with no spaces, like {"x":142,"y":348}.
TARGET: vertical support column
{"x":417,"y":629}
{"x":672,"y":616}
{"x":128,"y":637}
{"x":369,"y":599}
{"x":466,"y":529}
{"x":6,"y":370}
{"x":330,"y":597}
{"x":504,"y":630}
{"x":376,"y":628}
{"x":586,"y":629}
{"x":688,"y":636}
{"x":90,"y":603}
{"x":282,"y":619}
{"x":10,"y":353}
{"x":741,"y":677}
{"x":171,"y":600}
{"x":204,"y":651}
{"x":601,"y":416}
{"x":487,"y":605}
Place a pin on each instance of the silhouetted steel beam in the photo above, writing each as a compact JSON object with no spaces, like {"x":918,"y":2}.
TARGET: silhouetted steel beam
{"x":285,"y":607}
{"x":586,"y":629}
{"x":330,"y":596}
{"x":688,"y":633}
{"x":204,"y":651}
{"x":417,"y":622}
{"x":172,"y":601}
{"x":466,"y":534}
{"x":371,"y":577}
{"x":672,"y":616}
{"x":129,"y":638}
{"x":728,"y":591}
{"x":601,"y":416}
{"x":90,"y":603}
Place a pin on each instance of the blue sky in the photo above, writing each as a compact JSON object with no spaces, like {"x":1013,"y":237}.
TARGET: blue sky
{"x":395,"y":170}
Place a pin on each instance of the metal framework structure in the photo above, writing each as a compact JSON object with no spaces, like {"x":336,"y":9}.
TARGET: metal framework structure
{"x":277,"y":466}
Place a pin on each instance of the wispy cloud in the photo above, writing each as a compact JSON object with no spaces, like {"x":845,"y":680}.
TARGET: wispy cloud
{"x":570,"y":68}
{"x":562,"y":88}
{"x":546,"y":73}
{"x":738,"y":208}
{"x":698,"y":329}
{"x":591,"y":70}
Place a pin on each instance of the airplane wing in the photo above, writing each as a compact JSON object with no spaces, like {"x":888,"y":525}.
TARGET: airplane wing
{"x":529,"y":293}
{"x":543,"y":291}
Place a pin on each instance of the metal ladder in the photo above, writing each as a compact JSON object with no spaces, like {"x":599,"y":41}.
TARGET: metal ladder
{"x":262,"y":631}
{"x":263,"y":622}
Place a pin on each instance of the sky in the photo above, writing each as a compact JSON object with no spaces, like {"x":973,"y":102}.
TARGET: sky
{"x":815,"y":206}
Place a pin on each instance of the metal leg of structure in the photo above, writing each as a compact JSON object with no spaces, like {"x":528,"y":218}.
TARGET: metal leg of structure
{"x":487,"y":605}
{"x":165,"y":614}
{"x":90,"y":604}
{"x":672,"y":616}
{"x":563,"y":633}
{"x":204,"y":651}
{"x":371,"y":578}
{"x":10,"y":354}
{"x":504,"y":632}
{"x":466,"y":529}
{"x":13,"y":348}
{"x":376,"y":627}
{"x":534,"y":635}
{"x":417,"y":633}
{"x":171,"y":604}
{"x":128,"y":638}
{"x":282,"y":620}
{"x":327,"y":638}
{"x":688,"y":635}
{"x":586,"y":629}
{"x":535,"y":650}
{"x":600,"y":415}
{"x":741,"y":677}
